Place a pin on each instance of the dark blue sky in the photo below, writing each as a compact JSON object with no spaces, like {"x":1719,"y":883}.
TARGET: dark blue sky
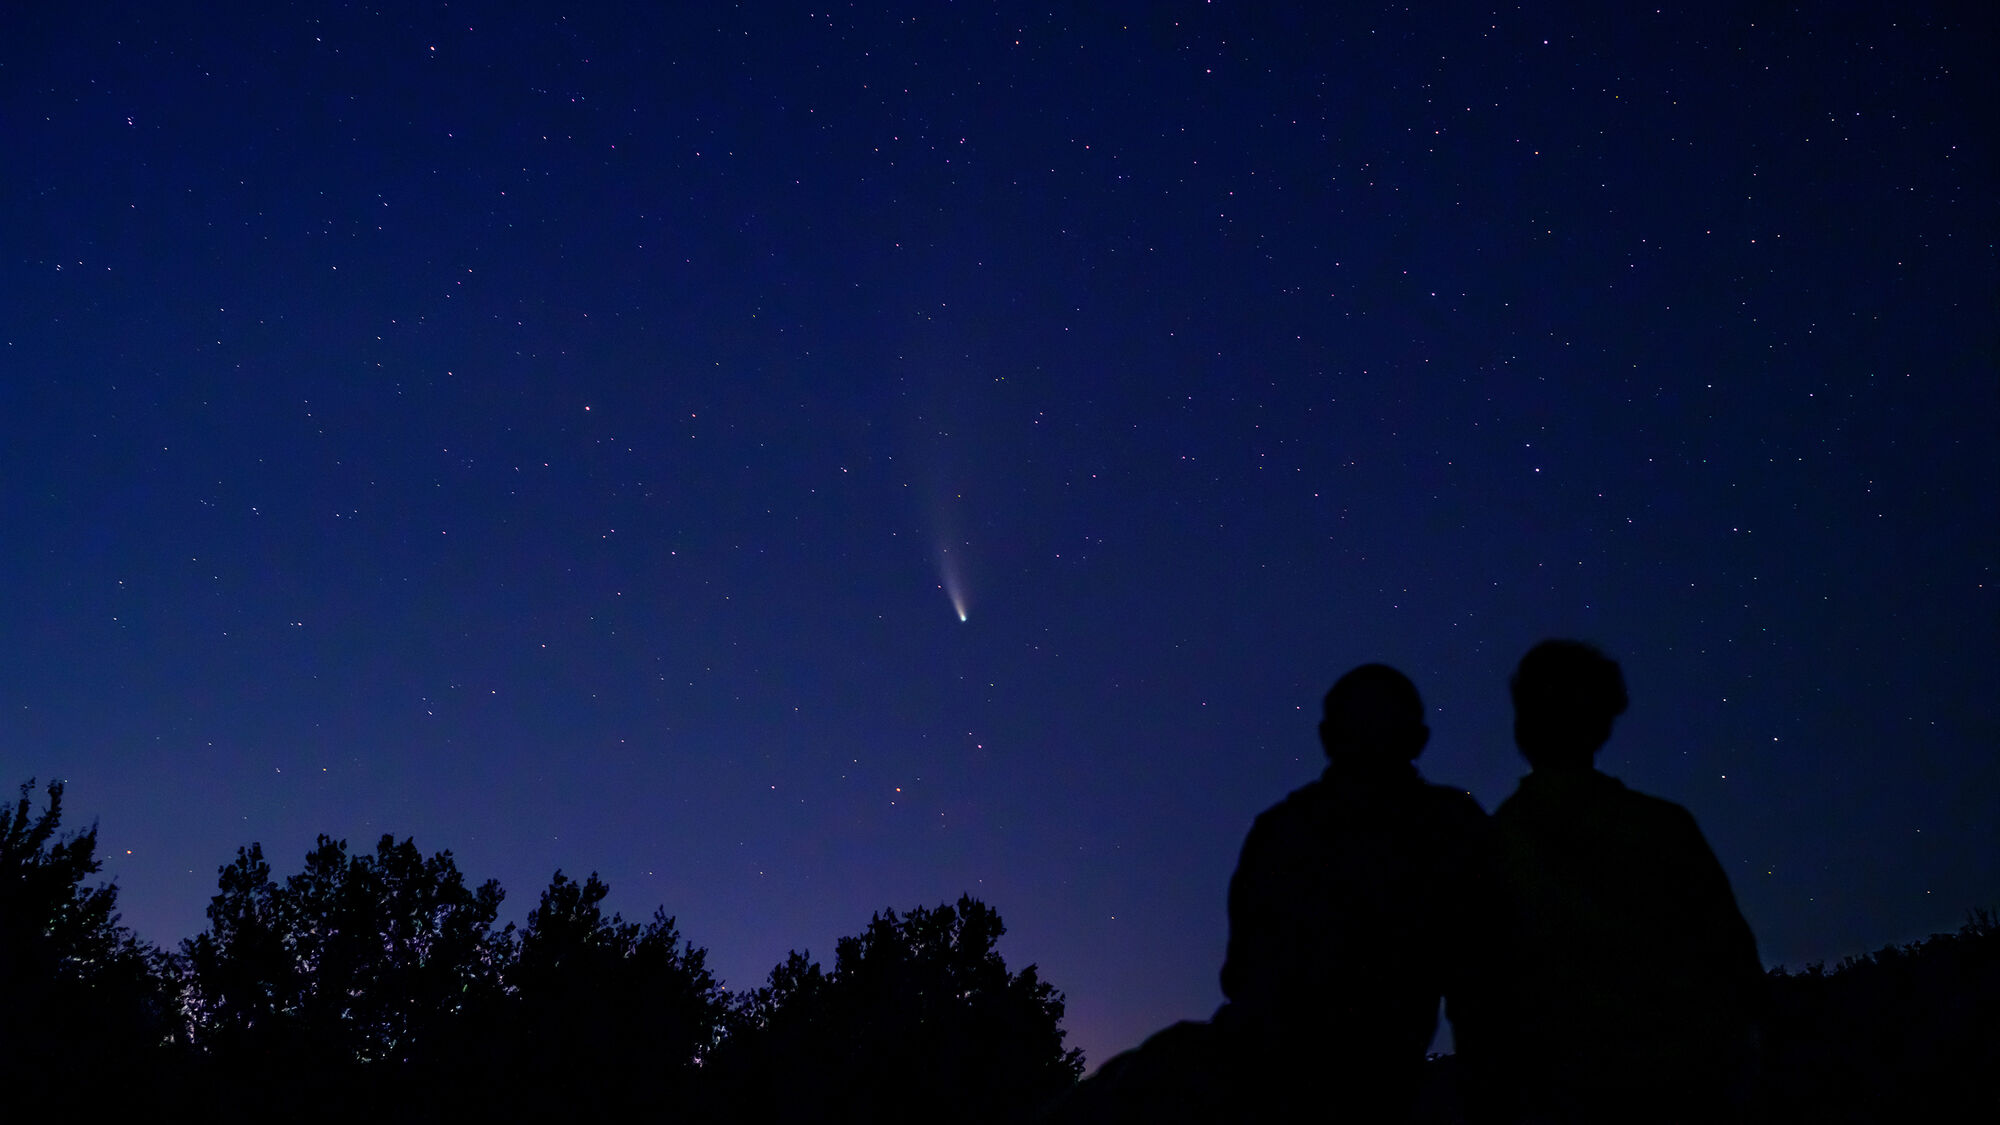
{"x":568,"y":439}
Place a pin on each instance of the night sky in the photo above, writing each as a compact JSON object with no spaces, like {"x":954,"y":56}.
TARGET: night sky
{"x":799,"y":463}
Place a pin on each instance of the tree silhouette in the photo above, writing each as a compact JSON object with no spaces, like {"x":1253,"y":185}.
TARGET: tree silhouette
{"x":79,"y":993}
{"x":919,"y":1018}
{"x":375,"y":986}
{"x":1905,"y":1033}
{"x":607,"y":1015}
{"x":346,"y":984}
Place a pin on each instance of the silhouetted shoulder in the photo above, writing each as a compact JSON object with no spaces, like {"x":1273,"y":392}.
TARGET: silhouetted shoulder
{"x":1335,"y":822}
{"x":1402,"y":787}
{"x":1654,"y":810}
{"x":1353,"y":862}
{"x":1668,"y":819}
{"x":1296,"y":814}
{"x":1587,"y":795}
{"x":1453,"y":804}
{"x":1582,"y":817}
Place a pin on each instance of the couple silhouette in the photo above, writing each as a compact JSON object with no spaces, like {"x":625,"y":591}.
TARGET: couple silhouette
{"x":1583,"y":939}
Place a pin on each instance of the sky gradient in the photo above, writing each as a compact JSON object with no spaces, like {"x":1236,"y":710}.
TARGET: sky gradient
{"x":796,"y":463}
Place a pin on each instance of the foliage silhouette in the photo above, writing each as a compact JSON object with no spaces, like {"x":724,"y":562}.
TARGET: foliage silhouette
{"x":377,"y":985}
{"x":79,"y":992}
{"x":1906,"y":1033}
{"x":606,"y":1015}
{"x":297,"y":988}
{"x":918,"y":1018}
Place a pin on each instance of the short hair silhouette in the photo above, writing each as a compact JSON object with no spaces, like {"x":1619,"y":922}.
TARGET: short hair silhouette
{"x":1373,"y":712}
{"x":1566,"y":694}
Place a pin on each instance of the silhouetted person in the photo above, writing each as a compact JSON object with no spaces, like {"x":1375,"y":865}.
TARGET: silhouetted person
{"x":1630,"y":978}
{"x":1344,"y":917}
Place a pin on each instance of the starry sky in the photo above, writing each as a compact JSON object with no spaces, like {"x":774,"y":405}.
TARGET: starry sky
{"x":797,"y":460}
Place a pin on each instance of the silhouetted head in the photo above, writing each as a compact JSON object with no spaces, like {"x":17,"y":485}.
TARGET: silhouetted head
{"x":1565,"y":695}
{"x":1373,"y":714}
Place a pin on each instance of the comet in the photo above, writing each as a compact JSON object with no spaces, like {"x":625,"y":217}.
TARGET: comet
{"x":954,"y":582}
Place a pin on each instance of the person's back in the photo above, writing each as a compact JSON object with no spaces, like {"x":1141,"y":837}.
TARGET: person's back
{"x":1630,"y":977}
{"x":1342,"y":914}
